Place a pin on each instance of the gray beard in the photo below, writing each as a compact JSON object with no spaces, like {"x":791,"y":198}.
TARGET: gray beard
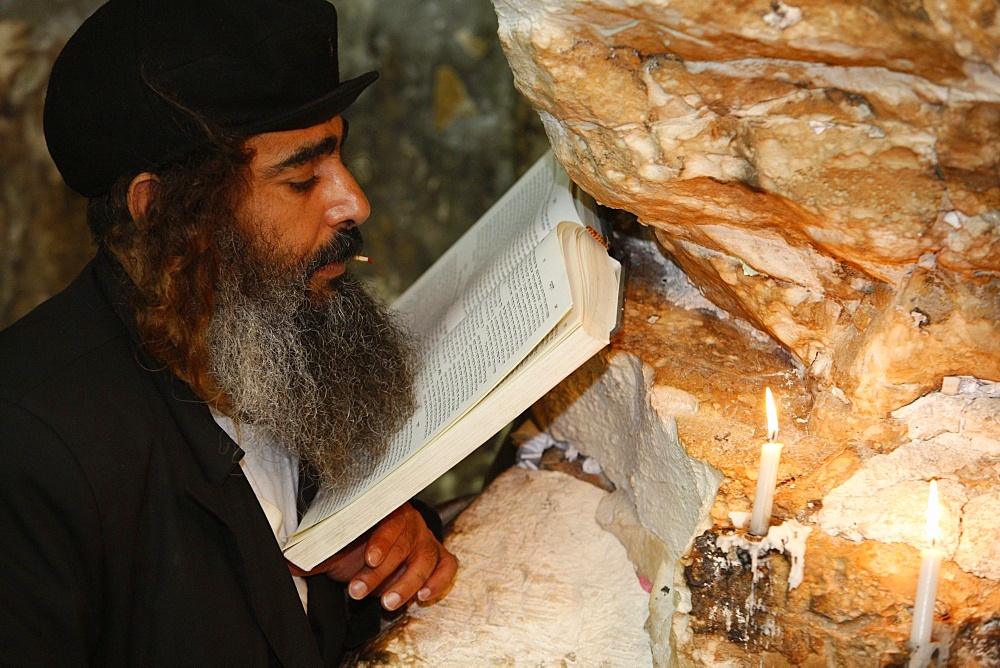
{"x":328,"y":377}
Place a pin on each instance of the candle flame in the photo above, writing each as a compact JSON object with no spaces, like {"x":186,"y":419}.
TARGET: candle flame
{"x":772,"y":415}
{"x":933,"y":513}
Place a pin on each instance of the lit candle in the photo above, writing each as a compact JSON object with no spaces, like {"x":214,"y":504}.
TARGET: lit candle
{"x":930,"y":568}
{"x":767,"y":474}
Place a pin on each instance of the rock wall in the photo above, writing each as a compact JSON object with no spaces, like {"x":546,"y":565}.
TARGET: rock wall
{"x":851,"y":493}
{"x":827,"y":176}
{"x":828,"y":172}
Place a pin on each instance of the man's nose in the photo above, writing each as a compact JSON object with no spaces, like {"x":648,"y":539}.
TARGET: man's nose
{"x":347,"y":201}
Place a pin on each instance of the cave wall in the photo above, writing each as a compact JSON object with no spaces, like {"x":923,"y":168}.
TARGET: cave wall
{"x":827,"y":178}
{"x":827,"y":172}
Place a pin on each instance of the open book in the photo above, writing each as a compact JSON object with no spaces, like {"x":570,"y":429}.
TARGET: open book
{"x":521,"y":300}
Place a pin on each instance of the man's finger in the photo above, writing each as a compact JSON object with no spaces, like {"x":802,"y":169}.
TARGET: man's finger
{"x":394,"y":537}
{"x":441,"y":580}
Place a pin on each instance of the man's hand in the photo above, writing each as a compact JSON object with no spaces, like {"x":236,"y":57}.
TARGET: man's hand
{"x":398,"y":559}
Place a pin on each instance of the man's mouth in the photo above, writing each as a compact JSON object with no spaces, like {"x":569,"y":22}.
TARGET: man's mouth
{"x":328,"y":262}
{"x":329,"y":271}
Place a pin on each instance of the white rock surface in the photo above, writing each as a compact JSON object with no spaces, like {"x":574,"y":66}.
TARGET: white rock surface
{"x":953,"y":439}
{"x":979,"y":546}
{"x":663,"y":496}
{"x":540,"y":584}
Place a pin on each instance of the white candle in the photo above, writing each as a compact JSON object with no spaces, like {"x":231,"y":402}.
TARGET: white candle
{"x":930,"y":569}
{"x":767,"y":474}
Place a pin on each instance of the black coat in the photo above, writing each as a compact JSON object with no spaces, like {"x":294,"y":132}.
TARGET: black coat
{"x":128,"y":533}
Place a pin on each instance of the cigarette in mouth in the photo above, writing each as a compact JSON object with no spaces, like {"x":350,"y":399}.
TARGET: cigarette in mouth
{"x":362,"y":258}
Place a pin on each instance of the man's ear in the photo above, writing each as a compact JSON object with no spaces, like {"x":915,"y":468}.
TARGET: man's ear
{"x":140,"y":192}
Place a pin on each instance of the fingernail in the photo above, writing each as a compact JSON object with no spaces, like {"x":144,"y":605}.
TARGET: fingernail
{"x":424,"y":594}
{"x":391,"y":601}
{"x":358,"y":590}
{"x":374,"y":557}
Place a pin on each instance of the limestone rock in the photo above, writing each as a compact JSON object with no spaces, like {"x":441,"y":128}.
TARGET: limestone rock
{"x":658,"y":485}
{"x":662,"y":494}
{"x":826,"y":175}
{"x":819,"y":169}
{"x":978,"y":548}
{"x":709,"y":361}
{"x":954,"y":438}
{"x":858,"y":482}
{"x":540,"y":583}
{"x":978,"y":644}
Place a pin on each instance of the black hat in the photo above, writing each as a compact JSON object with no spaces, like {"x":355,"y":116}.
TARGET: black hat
{"x":118,"y":92}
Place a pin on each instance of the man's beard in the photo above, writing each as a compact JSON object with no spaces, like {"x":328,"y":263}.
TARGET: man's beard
{"x":327,"y":374}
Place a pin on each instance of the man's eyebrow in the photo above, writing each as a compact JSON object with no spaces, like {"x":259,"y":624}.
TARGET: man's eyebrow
{"x":304,"y":155}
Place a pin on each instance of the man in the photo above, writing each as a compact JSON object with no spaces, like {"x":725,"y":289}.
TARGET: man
{"x":156,"y":415}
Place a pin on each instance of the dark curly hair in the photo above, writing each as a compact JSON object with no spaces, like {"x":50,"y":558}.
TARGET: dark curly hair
{"x":170,"y":253}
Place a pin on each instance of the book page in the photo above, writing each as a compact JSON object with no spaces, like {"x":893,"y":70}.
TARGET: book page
{"x":593,"y":277}
{"x":474,"y":356}
{"x":487,"y":252}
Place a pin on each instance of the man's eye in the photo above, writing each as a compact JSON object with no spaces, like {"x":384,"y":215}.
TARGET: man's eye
{"x":303,"y":186}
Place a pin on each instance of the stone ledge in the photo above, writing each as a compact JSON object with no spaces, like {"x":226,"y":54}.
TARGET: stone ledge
{"x":540,"y":583}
